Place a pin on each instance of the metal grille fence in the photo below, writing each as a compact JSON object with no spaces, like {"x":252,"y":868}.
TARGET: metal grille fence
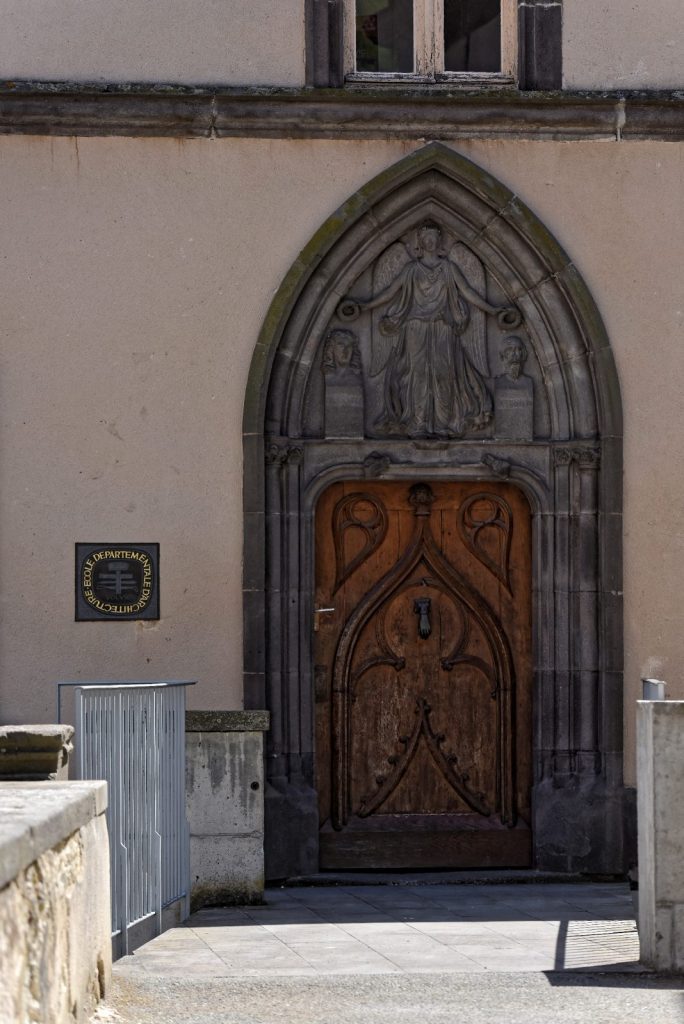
{"x":133,"y":735}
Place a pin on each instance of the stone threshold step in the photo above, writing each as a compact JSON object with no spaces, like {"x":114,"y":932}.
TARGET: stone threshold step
{"x":404,"y":878}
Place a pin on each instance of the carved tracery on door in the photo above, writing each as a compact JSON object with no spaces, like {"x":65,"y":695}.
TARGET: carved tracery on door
{"x":423,"y":665}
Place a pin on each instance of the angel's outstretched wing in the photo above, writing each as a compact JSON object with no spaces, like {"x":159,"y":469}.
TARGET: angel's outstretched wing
{"x":386,"y":270}
{"x":475,"y":335}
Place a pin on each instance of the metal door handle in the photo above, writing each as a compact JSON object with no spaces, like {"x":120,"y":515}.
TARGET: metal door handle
{"x":317,"y":616}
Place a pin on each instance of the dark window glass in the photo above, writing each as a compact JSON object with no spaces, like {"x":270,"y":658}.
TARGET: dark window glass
{"x":472,"y":35}
{"x":384,"y":35}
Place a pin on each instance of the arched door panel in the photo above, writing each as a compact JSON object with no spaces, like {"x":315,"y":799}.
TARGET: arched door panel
{"x":423,"y":666}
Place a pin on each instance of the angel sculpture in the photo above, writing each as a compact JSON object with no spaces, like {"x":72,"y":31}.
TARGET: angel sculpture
{"x":430,"y":343}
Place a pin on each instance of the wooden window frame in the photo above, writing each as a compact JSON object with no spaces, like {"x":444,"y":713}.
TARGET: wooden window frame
{"x":428,"y":43}
{"x":536,"y":26}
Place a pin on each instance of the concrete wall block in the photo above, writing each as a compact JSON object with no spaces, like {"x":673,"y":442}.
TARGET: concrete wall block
{"x":659,"y":949}
{"x":668,"y":786}
{"x":224,"y":782}
{"x":666,"y":950}
{"x":226,"y":869}
{"x":225,"y":806}
{"x":677,"y":936}
{"x":660,"y":772}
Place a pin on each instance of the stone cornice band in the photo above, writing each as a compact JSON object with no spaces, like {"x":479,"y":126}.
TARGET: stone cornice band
{"x":56,"y":109}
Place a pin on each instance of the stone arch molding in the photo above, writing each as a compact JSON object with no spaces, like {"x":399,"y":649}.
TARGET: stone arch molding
{"x":353,"y":376}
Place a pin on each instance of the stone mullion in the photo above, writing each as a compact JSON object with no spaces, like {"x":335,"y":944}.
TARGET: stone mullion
{"x":563,"y":625}
{"x":587,"y":473}
{"x":291,"y":612}
{"x":611,"y":700}
{"x":576,"y":604}
{"x":543,"y":620}
{"x":277,"y":696}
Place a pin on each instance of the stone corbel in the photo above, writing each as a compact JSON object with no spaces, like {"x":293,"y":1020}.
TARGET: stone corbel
{"x":585,"y":456}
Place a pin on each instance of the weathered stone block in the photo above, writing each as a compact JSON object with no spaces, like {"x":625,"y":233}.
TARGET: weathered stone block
{"x":35,"y":752}
{"x":514,"y":407}
{"x":55,"y":923}
{"x":343,"y":408}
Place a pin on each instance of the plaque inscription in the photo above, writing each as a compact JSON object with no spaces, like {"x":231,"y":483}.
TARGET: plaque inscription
{"x":117,"y":581}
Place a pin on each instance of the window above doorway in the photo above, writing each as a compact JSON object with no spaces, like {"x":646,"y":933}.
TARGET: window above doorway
{"x":434,"y":42}
{"x":430,"y":41}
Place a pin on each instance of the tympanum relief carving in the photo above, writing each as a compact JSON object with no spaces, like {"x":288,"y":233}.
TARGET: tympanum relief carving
{"x":428,"y":323}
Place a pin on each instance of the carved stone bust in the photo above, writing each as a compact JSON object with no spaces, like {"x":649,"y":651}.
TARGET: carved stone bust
{"x":341,"y":355}
{"x":514,"y":393}
{"x":513,"y":357}
{"x":344,"y":398}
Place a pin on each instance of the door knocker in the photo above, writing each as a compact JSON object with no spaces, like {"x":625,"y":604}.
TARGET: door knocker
{"x":421,"y":607}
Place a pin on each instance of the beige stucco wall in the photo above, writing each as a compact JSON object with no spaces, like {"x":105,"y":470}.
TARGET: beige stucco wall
{"x":134,"y":278}
{"x":607,"y":44}
{"x":623,"y":44}
{"x":207,"y":41}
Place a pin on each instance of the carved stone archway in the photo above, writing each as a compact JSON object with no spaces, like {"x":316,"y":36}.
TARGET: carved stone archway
{"x":328,"y":400}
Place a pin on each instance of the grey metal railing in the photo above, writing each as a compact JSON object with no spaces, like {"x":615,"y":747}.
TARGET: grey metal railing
{"x":132,"y":734}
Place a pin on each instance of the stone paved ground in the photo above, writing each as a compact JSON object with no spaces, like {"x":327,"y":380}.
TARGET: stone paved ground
{"x":551,"y":953}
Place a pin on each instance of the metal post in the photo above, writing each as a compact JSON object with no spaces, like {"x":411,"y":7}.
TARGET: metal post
{"x":654,"y":689}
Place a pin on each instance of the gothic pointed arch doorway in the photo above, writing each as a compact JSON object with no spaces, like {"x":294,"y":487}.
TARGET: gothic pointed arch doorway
{"x":434,"y":333}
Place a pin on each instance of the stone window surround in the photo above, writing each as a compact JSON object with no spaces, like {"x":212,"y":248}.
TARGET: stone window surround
{"x":539,"y":44}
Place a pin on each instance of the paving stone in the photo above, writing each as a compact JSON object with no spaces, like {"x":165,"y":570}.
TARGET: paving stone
{"x":341,"y":958}
{"x":407,"y":931}
{"x":322,"y":932}
{"x":362,"y":929}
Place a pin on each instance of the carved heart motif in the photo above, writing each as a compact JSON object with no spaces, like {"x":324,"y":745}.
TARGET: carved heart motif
{"x":357,"y":512}
{"x":478,"y":516}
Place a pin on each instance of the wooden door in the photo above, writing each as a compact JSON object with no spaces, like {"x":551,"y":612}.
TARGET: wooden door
{"x":423,"y":675}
